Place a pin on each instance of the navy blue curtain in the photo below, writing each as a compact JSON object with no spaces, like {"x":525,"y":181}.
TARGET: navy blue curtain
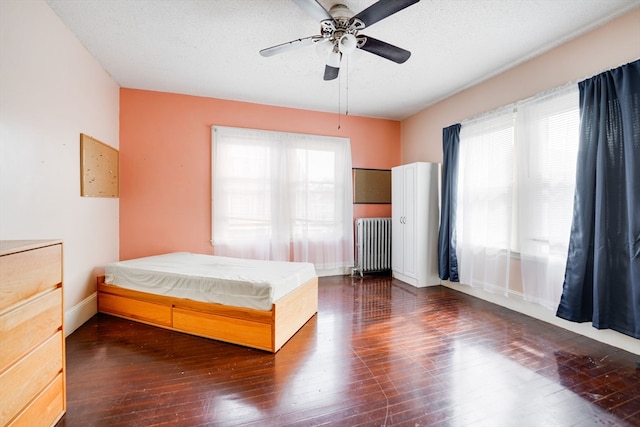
{"x":447,"y":259}
{"x":602,"y":276}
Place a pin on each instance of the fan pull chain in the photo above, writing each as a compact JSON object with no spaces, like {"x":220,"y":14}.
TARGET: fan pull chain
{"x":339,"y":97}
{"x":345,"y":72}
{"x":346,"y":107}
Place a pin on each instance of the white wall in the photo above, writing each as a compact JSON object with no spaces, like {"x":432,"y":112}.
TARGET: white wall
{"x":609,"y":46}
{"x":52,"y":90}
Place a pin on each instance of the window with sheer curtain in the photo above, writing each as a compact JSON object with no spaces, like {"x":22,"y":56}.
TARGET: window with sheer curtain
{"x":282,"y":196}
{"x":515,"y":194}
{"x":485,"y":200}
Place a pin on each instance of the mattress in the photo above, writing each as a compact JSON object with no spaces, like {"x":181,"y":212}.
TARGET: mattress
{"x":236,"y":282}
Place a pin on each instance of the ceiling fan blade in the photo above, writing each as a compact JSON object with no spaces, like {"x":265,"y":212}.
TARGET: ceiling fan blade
{"x":331,"y":73}
{"x":380,"y":10}
{"x":385,"y":50}
{"x":292,"y":45}
{"x":313,"y":9}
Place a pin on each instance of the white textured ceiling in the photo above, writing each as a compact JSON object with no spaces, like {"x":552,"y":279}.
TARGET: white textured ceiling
{"x":210,"y":48}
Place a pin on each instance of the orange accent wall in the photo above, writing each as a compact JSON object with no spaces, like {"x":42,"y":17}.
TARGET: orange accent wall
{"x":165,"y":162}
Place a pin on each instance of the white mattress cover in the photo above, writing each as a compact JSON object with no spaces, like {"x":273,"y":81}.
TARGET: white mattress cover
{"x":231,"y":281}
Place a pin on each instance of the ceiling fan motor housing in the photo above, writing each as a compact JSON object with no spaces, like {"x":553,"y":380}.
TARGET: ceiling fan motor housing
{"x":340,"y":31}
{"x":340,"y":11}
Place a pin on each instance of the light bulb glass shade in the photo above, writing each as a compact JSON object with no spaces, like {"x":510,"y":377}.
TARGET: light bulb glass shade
{"x":334,"y":59}
{"x":347,"y":43}
{"x":324,"y":48}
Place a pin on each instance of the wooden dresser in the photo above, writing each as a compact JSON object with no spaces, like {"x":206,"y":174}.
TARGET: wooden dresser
{"x":32,"y":355}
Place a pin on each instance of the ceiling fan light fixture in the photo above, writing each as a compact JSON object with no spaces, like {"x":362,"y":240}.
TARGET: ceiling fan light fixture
{"x":347,"y":43}
{"x":323,"y":48}
{"x":333,"y":60}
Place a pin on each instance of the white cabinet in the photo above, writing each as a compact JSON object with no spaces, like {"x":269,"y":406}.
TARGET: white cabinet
{"x":414,"y":230}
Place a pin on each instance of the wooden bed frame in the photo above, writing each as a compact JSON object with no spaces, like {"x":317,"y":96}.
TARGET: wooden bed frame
{"x":264,"y":330}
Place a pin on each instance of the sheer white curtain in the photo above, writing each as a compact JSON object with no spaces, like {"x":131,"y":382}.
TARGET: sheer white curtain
{"x":485,"y":201}
{"x":547,"y":132}
{"x":323,"y":223}
{"x":515,"y":195}
{"x":282,"y":196}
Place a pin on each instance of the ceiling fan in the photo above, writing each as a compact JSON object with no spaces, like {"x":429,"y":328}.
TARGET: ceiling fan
{"x":340,"y":33}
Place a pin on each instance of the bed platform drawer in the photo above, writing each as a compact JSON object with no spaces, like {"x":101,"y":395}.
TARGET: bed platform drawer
{"x":142,"y":311}
{"x":254,"y":334}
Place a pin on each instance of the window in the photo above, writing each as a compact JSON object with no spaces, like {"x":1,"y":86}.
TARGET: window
{"x":515,"y":194}
{"x":486,"y":182}
{"x":548,"y":133}
{"x":282,"y":196}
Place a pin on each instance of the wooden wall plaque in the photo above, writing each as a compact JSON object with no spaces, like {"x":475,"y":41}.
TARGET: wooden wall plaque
{"x":98,"y":168}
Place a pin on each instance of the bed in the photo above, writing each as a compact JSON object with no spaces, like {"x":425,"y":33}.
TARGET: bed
{"x":254,"y":303}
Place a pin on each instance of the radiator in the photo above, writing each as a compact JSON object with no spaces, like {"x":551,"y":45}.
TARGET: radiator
{"x":373,"y":245}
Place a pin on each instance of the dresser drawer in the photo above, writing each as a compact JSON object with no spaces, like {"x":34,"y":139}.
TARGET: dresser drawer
{"x":23,"y":329}
{"x":24,"y":274}
{"x":29,"y":377}
{"x":47,"y":409}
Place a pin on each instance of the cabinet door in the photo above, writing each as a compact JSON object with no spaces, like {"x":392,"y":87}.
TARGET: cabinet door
{"x":397,"y":229}
{"x":409,"y":223}
{"x":403,"y":212}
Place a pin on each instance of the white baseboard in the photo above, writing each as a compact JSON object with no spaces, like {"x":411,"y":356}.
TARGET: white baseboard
{"x":80,"y":313}
{"x":517,"y":303}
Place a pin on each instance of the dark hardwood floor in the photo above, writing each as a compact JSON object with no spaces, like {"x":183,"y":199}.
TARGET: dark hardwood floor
{"x":378,"y":353}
